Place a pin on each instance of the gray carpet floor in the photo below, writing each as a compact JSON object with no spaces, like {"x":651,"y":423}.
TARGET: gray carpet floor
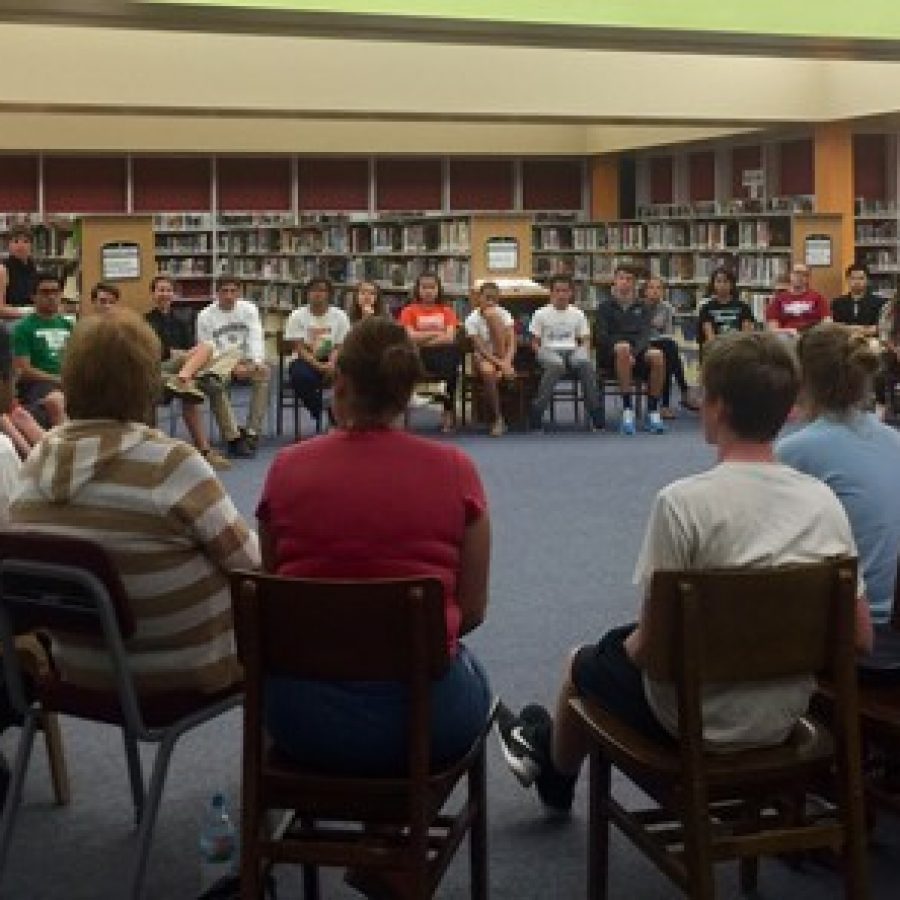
{"x":568,"y":512}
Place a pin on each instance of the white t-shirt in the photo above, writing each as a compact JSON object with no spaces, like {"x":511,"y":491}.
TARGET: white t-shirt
{"x":320,"y":333}
{"x":476,"y":325}
{"x":238,"y":329}
{"x":742,"y":514}
{"x":10,"y":468}
{"x":559,"y":329}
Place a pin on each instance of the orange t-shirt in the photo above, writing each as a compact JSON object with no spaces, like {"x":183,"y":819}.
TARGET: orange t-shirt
{"x":428,"y":317}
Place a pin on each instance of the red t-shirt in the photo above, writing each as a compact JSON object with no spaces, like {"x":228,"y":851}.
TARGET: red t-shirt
{"x":431,"y":317}
{"x":372,"y":504}
{"x":800,"y":311}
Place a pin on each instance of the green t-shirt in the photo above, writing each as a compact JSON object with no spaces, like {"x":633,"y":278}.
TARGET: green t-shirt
{"x":42,"y":341}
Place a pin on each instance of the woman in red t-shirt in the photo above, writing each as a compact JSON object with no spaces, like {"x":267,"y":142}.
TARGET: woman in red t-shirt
{"x":368,"y":500}
{"x":432,"y":325}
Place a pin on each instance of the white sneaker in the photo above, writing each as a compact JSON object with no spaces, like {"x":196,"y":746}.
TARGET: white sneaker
{"x":655,"y":423}
{"x":417,"y":401}
{"x":626,"y":426}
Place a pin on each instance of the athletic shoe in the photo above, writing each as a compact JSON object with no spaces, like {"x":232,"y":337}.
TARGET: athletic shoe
{"x":241,"y":448}
{"x":498,"y":429}
{"x":525,"y":740}
{"x":654,"y":423}
{"x":184,"y":389}
{"x":417,"y":401}
{"x":535,"y":419}
{"x":598,"y":420}
{"x":626,"y":426}
{"x":666,"y":413}
{"x":251,"y":437}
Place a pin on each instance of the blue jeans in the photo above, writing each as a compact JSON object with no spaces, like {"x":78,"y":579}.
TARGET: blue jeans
{"x":307,"y":383}
{"x":360,"y":727}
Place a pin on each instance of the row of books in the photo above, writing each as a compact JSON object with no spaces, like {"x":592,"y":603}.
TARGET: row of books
{"x":182,"y":243}
{"x":876,"y":231}
{"x":799,"y":203}
{"x":597,"y":236}
{"x":184,"y":265}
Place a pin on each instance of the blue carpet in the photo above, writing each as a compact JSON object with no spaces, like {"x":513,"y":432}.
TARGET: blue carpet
{"x":568,"y":512}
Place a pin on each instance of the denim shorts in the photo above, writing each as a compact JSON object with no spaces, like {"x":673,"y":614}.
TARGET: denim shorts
{"x":360,"y":727}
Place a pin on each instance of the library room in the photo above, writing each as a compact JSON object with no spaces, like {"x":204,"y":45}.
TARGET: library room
{"x":513,"y":386}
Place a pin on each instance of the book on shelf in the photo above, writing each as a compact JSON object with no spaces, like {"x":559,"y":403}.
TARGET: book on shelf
{"x":665,"y":234}
{"x":182,"y":221}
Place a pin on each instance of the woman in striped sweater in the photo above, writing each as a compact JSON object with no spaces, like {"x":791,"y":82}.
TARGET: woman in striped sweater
{"x":152,"y":501}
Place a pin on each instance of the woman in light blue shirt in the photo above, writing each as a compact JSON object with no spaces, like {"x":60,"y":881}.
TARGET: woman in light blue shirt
{"x":857,"y":456}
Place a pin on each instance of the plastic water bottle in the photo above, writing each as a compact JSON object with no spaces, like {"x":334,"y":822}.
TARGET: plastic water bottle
{"x":218,"y":844}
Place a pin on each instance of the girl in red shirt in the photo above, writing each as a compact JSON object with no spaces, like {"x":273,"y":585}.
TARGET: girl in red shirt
{"x":432,"y":324}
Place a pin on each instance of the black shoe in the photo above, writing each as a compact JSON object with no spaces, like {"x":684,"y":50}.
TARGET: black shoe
{"x":251,"y":437}
{"x":535,"y":419}
{"x":525,"y":741}
{"x":210,"y":383}
{"x":241,"y":448}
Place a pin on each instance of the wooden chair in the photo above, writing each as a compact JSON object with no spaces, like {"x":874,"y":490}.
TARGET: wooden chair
{"x":285,"y":395}
{"x":514,"y":395}
{"x":732,"y":626}
{"x":340,"y":630}
{"x":879,"y":707}
{"x":70,"y":585}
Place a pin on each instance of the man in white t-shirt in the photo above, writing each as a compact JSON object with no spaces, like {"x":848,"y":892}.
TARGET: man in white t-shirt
{"x":748,"y":510}
{"x":233,"y":328}
{"x":493,"y":335}
{"x":317,"y":329}
{"x":561,"y":336}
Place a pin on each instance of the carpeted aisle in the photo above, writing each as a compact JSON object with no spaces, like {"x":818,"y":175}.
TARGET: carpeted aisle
{"x":568,"y":511}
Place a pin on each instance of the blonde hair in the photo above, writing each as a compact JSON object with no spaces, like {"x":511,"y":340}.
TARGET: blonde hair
{"x":110,"y":368}
{"x":837,"y":367}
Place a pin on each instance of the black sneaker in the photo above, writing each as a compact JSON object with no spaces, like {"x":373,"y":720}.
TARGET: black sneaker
{"x":241,"y":448}
{"x":525,"y":741}
{"x":251,"y":437}
{"x":535,"y":419}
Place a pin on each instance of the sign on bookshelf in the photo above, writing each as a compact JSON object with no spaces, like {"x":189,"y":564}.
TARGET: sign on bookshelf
{"x":817,"y":250}
{"x":120,"y":260}
{"x":502,"y":254}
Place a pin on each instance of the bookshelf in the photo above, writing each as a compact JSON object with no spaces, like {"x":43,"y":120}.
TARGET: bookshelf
{"x":682,"y":244}
{"x":185,"y":249}
{"x":877,"y":243}
{"x":54,"y":244}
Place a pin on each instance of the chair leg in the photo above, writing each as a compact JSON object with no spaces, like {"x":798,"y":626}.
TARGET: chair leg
{"x":749,"y":865}
{"x":59,"y":773}
{"x":135,"y":775}
{"x":598,"y":826}
{"x":310,"y":882}
{"x":478,"y":838}
{"x":148,"y":817}
{"x":697,"y":855}
{"x":16,"y":781}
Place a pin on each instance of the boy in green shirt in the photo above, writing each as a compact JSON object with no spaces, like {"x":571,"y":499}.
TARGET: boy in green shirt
{"x":38,"y":342}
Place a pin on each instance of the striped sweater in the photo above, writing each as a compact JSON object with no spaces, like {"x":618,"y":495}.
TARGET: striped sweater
{"x":173,"y":532}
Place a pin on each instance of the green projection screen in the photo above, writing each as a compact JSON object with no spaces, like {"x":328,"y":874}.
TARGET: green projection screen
{"x":874,"y":19}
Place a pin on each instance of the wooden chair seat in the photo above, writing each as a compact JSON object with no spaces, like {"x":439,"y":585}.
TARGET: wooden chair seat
{"x":808,"y":752}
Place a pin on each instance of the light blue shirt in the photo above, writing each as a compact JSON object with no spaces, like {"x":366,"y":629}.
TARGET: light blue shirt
{"x":859,"y":459}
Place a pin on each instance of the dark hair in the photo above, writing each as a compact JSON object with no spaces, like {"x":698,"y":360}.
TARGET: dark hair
{"x":48,"y":275}
{"x":856,"y":266}
{"x":316,"y":281}
{"x":21,"y":231}
{"x":489,"y":286}
{"x":160,"y":278}
{"x":560,"y":279}
{"x":354,"y":311}
{"x":756,"y":376}
{"x":124,"y":344}
{"x":716,"y":272}
{"x":107,"y":288}
{"x":434,"y":277}
{"x":229,"y":279}
{"x":628,"y":270}
{"x":836,"y":367}
{"x":382,"y":365}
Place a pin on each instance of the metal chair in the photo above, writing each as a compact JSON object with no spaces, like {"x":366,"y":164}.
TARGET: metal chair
{"x":285,"y":395}
{"x":71,"y":585}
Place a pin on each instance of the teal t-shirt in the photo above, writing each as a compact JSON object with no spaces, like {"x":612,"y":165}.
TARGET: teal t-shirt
{"x":859,"y":459}
{"x":42,"y":340}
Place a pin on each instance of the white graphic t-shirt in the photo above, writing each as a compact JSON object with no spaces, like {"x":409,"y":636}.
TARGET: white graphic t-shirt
{"x":320,"y":333}
{"x":559,"y":329}
{"x":476,"y":325}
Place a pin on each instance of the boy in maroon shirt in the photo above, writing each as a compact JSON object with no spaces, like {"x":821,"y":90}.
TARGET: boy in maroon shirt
{"x":799,"y":308}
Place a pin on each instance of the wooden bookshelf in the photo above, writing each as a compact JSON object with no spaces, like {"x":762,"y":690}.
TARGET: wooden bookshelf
{"x":877,"y":243}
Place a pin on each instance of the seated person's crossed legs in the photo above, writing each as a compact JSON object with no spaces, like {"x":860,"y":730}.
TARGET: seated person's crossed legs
{"x":241,"y":440}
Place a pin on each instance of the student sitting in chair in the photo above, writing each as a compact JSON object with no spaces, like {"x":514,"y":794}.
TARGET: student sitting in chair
{"x":748,"y":510}
{"x":316,"y":331}
{"x":493,"y":335}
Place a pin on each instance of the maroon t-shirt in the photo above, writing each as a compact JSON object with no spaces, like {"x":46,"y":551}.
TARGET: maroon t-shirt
{"x":800,"y":311}
{"x":372,"y":504}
